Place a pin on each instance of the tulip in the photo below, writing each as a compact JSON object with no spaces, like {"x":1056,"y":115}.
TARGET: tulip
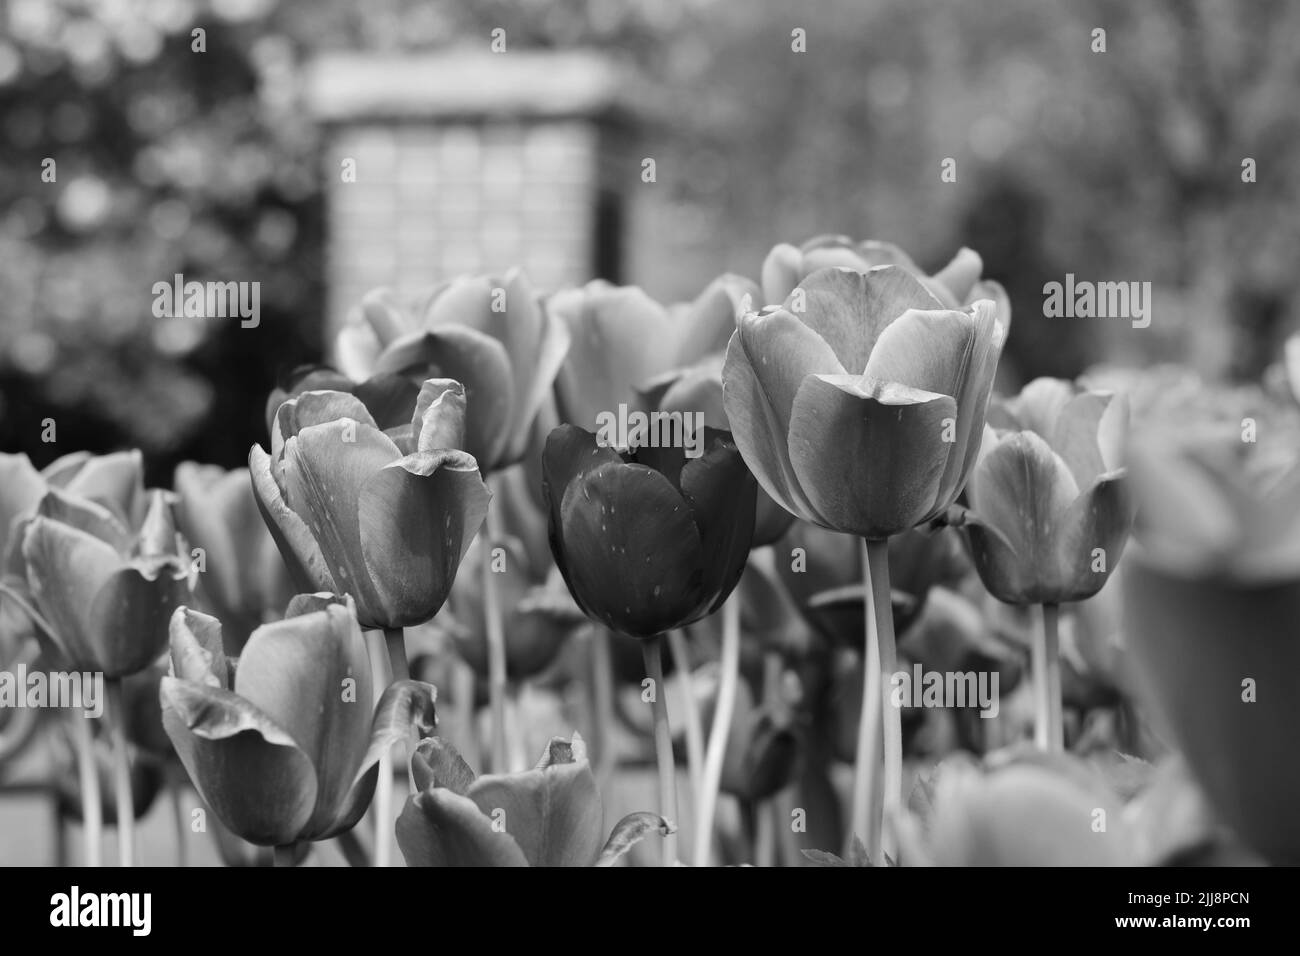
{"x":957,"y":285}
{"x":623,"y":340}
{"x":1211,"y":597}
{"x":1018,"y":810}
{"x":859,"y":405}
{"x":648,"y":540}
{"x":1050,"y":513}
{"x":490,"y":333}
{"x":548,"y":816}
{"x":243,"y":577}
{"x":284,"y":743}
{"x":384,"y":516}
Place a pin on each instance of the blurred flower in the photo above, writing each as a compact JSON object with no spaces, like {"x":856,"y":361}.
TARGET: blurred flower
{"x":622,"y":340}
{"x":859,"y":404}
{"x":243,"y":579}
{"x":284,"y":743}
{"x":385,"y":516}
{"x":956,"y":285}
{"x":489,"y":333}
{"x":1018,"y":809}
{"x":548,"y":816}
{"x":1211,"y":600}
{"x":104,"y":585}
{"x":1050,"y":511}
{"x":649,"y":539}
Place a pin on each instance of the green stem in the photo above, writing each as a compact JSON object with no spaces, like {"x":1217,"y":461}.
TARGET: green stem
{"x":711,"y":779}
{"x":1049,"y":731}
{"x":395,"y":644}
{"x":694,"y":728}
{"x":283,"y":855}
{"x":881,"y":605}
{"x":176,"y":780}
{"x":92,"y":820}
{"x":652,"y":653}
{"x":866,"y":811}
{"x":400,"y":669}
{"x":496,"y":646}
{"x":121,"y":773}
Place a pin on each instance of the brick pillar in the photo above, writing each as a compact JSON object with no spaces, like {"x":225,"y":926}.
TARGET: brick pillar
{"x":467,"y":162}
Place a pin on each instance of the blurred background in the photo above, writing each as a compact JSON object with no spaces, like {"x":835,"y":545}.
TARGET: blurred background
{"x":230,"y":162}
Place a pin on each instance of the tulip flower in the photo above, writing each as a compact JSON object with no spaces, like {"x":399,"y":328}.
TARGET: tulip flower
{"x":383,"y":516}
{"x":489,"y":333}
{"x":1017,"y":810}
{"x":1050,"y":513}
{"x":648,"y":540}
{"x":622,"y":340}
{"x":548,"y":816}
{"x":242,"y":576}
{"x":1211,"y":600}
{"x":859,"y":405}
{"x":284,"y":743}
{"x":957,"y":285}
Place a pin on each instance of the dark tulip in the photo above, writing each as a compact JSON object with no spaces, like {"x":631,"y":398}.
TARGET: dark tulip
{"x":650,"y":539}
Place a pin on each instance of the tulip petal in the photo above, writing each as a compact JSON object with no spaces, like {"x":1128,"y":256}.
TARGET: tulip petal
{"x":355,"y":349}
{"x":850,"y":310}
{"x":569,"y":452}
{"x":781,"y":272}
{"x":439,"y":419}
{"x":543,"y":365}
{"x":436,"y":763}
{"x":418,"y":516}
{"x":722,"y":494}
{"x":476,"y":360}
{"x":554,"y":813}
{"x":115,"y":480}
{"x":948,"y":353}
{"x":247,"y":769}
{"x":196,"y":650}
{"x":632,"y":553}
{"x":406,"y":708}
{"x":302,"y":555}
{"x":630,"y":831}
{"x":1039,"y":405}
{"x":86,"y":515}
{"x":380,"y":309}
{"x":1076,"y":436}
{"x":64,"y":566}
{"x":1100,"y":518}
{"x":707,"y":323}
{"x":767,"y":359}
{"x":441,"y":828}
{"x":871,"y":457}
{"x":960,"y":275}
{"x":326,"y":468}
{"x":311,"y":675}
{"x":315,"y":408}
{"x":1023,"y":491}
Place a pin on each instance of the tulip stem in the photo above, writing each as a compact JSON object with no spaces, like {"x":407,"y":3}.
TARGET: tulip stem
{"x":728,"y":681}
{"x":395,"y":642}
{"x":176,"y":780}
{"x":496,"y":645}
{"x":873,"y":803}
{"x":283,"y":855}
{"x":652,"y":653}
{"x":694,"y":730}
{"x":1049,"y":731}
{"x":125,"y":806}
{"x":92,"y":820}
{"x":602,"y":704}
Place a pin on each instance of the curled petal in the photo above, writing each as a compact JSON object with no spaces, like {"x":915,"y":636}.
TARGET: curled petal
{"x":247,"y":769}
{"x":436,"y":763}
{"x":316,"y":408}
{"x":1098,"y":521}
{"x":439,"y":419}
{"x":196,"y":651}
